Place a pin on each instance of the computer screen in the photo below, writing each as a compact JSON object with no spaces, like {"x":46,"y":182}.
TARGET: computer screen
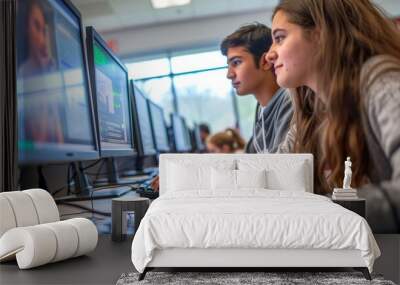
{"x":188,"y":140}
{"x":143,"y":133}
{"x":158,"y":127}
{"x":179,"y":131}
{"x":55,"y":116}
{"x":197,"y":138}
{"x":110,"y":88}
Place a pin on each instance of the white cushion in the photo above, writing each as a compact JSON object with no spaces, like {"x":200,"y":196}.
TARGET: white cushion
{"x":287,"y":174}
{"x":223,"y":179}
{"x":34,"y":244}
{"x":7,"y":218}
{"x":40,"y":244}
{"x":26,"y":208}
{"x":282,"y":163}
{"x":23,"y":208}
{"x":67,"y":240}
{"x":292,"y":179}
{"x":87,"y":235}
{"x":251,"y":178}
{"x":183,"y":177}
{"x":188,"y":175}
{"x":45,"y":206}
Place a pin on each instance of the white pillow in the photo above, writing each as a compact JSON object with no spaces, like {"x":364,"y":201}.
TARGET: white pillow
{"x":251,"y":178}
{"x":282,"y":174}
{"x":182,"y":177}
{"x":224,"y":179}
{"x":291,"y":179}
{"x":193,"y":174}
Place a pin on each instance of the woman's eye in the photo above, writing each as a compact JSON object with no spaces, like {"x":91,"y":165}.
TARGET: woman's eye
{"x":279,"y":38}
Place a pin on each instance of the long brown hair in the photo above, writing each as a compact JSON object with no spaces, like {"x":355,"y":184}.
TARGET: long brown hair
{"x":229,"y":137}
{"x":329,"y":125}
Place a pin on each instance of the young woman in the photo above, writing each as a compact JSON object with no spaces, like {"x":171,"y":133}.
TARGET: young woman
{"x":228,"y":141}
{"x":341,"y":60}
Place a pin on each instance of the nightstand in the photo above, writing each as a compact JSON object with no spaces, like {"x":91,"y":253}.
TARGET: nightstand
{"x":122,"y":209}
{"x":355,"y":205}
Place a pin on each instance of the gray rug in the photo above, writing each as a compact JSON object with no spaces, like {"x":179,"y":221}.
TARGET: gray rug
{"x":229,"y":278}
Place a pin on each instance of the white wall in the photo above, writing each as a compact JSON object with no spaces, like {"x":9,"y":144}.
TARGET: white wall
{"x":181,"y":35}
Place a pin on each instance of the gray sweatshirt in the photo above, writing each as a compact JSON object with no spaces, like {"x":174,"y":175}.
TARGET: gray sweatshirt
{"x":272,"y":123}
{"x":380,"y":92}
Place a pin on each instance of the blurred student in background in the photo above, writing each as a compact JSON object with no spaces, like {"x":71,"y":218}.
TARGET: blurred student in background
{"x":342,"y":61}
{"x":204,"y":132}
{"x":228,"y":141}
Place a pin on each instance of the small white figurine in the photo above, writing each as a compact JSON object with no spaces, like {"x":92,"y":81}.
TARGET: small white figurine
{"x":347,"y":174}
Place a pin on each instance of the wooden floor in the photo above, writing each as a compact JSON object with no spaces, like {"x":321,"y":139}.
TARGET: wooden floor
{"x":102,"y":266}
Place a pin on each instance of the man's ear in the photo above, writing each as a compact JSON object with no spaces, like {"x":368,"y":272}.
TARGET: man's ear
{"x":264,"y":63}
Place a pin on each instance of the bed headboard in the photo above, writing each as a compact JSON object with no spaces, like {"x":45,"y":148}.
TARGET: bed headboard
{"x":280,"y":162}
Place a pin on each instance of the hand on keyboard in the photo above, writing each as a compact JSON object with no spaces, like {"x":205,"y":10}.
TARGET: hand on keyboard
{"x":145,"y":190}
{"x":155,"y":183}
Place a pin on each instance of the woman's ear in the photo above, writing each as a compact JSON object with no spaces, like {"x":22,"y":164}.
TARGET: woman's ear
{"x":315,"y":36}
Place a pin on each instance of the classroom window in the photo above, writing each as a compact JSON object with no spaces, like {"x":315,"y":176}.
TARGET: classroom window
{"x":247,"y":111}
{"x":199,"y":84}
{"x":206,"y":96}
{"x":198,"y":61}
{"x":159,"y":91}
{"x":148,"y":68}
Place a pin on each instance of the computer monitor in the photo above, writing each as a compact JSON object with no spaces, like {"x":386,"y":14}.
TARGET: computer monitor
{"x":110,"y":89}
{"x":55,"y":115}
{"x":113,"y":109}
{"x":200,"y":147}
{"x":158,"y":127}
{"x":188,"y":140}
{"x":179,"y":134}
{"x":143,"y":133}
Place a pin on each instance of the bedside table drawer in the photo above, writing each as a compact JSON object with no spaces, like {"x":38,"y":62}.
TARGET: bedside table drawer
{"x":357,"y":206}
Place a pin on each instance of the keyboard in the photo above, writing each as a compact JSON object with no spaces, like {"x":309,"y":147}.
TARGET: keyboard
{"x":145,"y":190}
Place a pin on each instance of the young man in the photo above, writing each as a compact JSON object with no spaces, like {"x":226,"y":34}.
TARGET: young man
{"x":251,"y":73}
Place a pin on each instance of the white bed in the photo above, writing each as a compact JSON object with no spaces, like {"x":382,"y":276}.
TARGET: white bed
{"x":266,"y":217}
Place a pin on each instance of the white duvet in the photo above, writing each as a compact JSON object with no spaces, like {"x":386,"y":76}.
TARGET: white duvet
{"x":250,"y":219}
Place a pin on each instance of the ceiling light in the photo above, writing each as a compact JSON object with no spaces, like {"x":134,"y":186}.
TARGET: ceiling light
{"x":160,"y":4}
